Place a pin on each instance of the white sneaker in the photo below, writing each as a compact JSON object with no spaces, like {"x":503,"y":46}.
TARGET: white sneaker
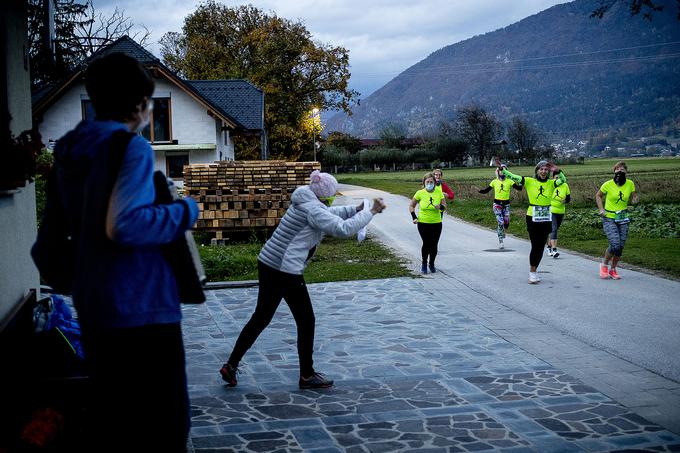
{"x":555,"y":253}
{"x":533,"y":278}
{"x":550,"y":252}
{"x":500,"y":244}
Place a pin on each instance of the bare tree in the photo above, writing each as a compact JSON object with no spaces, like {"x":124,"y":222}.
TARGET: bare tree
{"x":80,"y":31}
{"x":479,"y":128}
{"x":98,"y":30}
{"x":523,"y":137}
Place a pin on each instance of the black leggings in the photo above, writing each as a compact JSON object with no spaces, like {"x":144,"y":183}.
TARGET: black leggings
{"x":429,"y":233}
{"x":274,"y":286}
{"x":538,"y":235}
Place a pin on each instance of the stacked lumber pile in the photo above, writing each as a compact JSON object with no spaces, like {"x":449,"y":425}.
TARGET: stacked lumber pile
{"x":242,"y":195}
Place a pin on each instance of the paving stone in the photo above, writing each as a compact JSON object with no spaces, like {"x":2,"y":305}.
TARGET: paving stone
{"x":454,"y":386}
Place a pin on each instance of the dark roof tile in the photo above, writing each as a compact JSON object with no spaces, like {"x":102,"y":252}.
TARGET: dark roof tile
{"x":236,"y":98}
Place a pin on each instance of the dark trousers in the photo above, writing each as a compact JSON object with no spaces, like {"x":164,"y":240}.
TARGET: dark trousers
{"x":538,"y":235}
{"x":429,"y":233}
{"x":139,"y":399}
{"x":274,"y":286}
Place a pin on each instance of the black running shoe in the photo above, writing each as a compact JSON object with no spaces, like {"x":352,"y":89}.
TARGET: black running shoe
{"x":315,"y":381}
{"x":432,"y":269}
{"x":228,"y":374}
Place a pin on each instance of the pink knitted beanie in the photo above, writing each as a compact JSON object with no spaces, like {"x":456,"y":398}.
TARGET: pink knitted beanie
{"x":323,"y":184}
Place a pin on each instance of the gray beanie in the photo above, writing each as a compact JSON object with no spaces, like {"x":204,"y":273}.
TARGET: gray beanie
{"x":542,"y":163}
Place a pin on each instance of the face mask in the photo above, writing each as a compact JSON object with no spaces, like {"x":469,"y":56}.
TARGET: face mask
{"x":620,"y":178}
{"x":146,"y":119}
{"x":327,"y":200}
{"x":429,"y":187}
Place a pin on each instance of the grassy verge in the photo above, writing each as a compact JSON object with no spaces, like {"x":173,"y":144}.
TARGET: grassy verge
{"x":335,"y":260}
{"x":654,"y":233}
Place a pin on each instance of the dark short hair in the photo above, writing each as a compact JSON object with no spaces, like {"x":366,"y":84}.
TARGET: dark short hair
{"x":116,"y":84}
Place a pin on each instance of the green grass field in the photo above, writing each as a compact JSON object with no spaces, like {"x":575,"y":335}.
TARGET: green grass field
{"x":654,"y":238}
{"x":335,"y":260}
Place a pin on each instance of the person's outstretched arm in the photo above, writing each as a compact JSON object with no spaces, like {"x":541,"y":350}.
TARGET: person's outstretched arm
{"x":561,"y":177}
{"x":517,"y":179}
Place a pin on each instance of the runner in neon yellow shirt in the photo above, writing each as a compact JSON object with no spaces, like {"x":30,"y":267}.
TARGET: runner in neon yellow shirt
{"x":501,"y":202}
{"x":539,"y":220}
{"x":431,"y":203}
{"x":617,"y":193}
{"x":561,"y":196}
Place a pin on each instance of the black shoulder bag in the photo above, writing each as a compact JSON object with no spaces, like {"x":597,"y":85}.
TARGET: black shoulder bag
{"x":182,"y":254}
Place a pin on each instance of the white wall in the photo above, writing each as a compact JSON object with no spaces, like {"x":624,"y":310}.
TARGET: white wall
{"x":63,"y":115}
{"x":17,"y":211}
{"x":17,"y":234}
{"x":191,"y":123}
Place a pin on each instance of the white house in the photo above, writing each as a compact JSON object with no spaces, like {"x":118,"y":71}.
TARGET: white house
{"x":192,"y":121}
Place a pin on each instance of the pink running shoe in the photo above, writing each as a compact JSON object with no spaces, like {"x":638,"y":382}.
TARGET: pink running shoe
{"x":615,"y":275}
{"x":604,"y":271}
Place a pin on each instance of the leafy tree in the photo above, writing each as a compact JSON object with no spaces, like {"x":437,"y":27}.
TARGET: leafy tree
{"x":392,"y":135}
{"x":451,"y":150}
{"x":344,"y":141}
{"x":276,"y":54}
{"x":523,"y":137}
{"x":479,"y":128}
{"x":79,"y":32}
{"x":646,"y":7}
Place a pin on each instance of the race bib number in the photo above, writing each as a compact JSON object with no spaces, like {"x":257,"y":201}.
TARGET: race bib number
{"x":541,"y":214}
{"x":621,"y":216}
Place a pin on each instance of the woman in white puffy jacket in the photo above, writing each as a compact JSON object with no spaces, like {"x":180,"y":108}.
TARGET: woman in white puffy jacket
{"x":282,"y":262}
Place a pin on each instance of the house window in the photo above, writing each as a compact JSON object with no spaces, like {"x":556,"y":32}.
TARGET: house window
{"x":159,"y":129}
{"x":175,"y":165}
{"x":88,"y":110}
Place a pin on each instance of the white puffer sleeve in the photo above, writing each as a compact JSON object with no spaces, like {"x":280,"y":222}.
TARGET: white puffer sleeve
{"x":323,"y":219}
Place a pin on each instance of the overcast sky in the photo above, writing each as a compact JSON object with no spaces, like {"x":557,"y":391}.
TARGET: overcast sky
{"x":384,"y":37}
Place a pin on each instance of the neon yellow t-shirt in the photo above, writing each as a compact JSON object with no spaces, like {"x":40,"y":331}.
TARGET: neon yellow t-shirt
{"x":539,"y":192}
{"x":557,"y":202}
{"x":501,"y":189}
{"x":427,"y":202}
{"x":616,"y":197}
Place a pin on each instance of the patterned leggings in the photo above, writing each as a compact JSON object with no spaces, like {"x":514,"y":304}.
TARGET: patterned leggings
{"x":502,"y":214}
{"x":616,"y":233}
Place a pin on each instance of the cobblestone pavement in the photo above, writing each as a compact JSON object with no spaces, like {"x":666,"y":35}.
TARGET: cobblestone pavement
{"x":412,"y":370}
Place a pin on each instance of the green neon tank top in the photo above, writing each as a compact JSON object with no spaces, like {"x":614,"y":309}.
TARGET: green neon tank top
{"x":557,"y":202}
{"x":501,"y":189}
{"x":616,"y":197}
{"x":539,"y":193}
{"x":427,"y":212}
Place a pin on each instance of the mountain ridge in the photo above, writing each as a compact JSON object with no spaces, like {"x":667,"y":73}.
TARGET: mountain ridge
{"x":560,"y":69}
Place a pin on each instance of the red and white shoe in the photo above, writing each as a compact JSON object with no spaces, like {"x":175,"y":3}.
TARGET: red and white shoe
{"x":613,"y":274}
{"x":604,"y":271}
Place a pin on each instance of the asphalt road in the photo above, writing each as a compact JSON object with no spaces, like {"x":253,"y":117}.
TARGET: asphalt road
{"x":636,"y":318}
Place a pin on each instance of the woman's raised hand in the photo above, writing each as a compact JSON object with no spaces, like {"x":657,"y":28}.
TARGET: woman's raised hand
{"x":378,"y":206}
